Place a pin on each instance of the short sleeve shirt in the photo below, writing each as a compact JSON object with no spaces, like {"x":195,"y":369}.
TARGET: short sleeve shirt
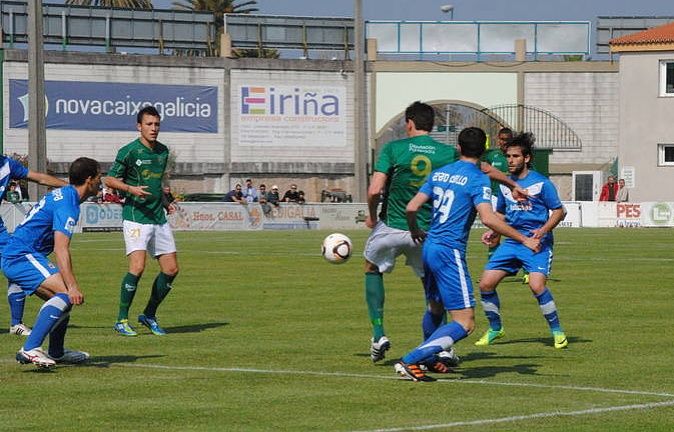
{"x":10,"y":169}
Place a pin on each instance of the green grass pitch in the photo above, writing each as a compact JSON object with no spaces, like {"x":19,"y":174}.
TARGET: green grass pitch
{"x":264,"y":335}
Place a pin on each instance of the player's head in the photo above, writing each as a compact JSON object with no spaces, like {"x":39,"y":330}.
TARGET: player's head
{"x":472,"y":142}
{"x":422,"y":115}
{"x":503,"y":136}
{"x":519,"y":152}
{"x":86,"y":172}
{"x":148,"y":121}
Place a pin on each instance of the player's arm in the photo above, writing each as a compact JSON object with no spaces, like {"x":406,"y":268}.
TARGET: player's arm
{"x":64,"y":263}
{"x":45,"y":179}
{"x":377,"y":184}
{"x":556,"y":216}
{"x":115,"y":183}
{"x":490,"y":219}
{"x":495,"y":174}
{"x":491,"y":238}
{"x":418,"y":235}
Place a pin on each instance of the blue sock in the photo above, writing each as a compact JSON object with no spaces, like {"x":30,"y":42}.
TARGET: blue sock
{"x":57,"y":336}
{"x":549,"y":309}
{"x":492,"y":309}
{"x":442,"y":339}
{"x":17,"y":300}
{"x":49,"y":314}
{"x":430,"y":323}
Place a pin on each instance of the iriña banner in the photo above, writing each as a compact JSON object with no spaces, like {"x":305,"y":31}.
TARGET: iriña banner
{"x":78,"y":105}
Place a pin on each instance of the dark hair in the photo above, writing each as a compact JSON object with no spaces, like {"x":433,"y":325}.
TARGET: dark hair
{"x":149,"y":110}
{"x":81,"y":169}
{"x":422,"y":115}
{"x":262,"y":185}
{"x":525,"y":141}
{"x":472,"y":141}
{"x":506,"y":131}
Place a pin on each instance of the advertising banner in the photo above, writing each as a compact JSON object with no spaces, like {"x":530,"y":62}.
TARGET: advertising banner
{"x":78,"y":105}
{"x":657,"y":214}
{"x":628,"y":215}
{"x":573,"y":215}
{"x":291,"y":116}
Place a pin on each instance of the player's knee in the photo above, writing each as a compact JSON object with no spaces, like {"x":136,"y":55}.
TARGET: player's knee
{"x":436,"y":308}
{"x":371,"y":268}
{"x":171,"y":271}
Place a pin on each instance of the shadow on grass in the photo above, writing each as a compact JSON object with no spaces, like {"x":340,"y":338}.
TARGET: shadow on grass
{"x":492,"y":371}
{"x":107,"y":361}
{"x":546,"y":341}
{"x":195,"y":328}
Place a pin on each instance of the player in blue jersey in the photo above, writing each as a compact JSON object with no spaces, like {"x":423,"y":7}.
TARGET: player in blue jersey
{"x":46,"y":229}
{"x":537,"y":216}
{"x":11,"y":169}
{"x":458,"y":191}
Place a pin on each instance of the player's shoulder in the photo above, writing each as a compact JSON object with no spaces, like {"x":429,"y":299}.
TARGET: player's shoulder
{"x":160,"y":147}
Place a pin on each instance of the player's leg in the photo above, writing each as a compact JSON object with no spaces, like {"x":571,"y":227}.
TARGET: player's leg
{"x":539,"y":267}
{"x":491,"y":305}
{"x":17,"y":301}
{"x":163,"y":247}
{"x":136,"y":237}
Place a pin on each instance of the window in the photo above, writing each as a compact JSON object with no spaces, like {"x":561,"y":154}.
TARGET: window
{"x":667,"y":78}
{"x":666,"y":154}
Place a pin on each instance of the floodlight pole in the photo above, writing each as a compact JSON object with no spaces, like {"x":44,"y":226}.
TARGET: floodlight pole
{"x":361,"y":145}
{"x":37,"y":137}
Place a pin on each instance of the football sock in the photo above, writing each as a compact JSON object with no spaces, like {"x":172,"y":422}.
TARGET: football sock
{"x":57,"y":336}
{"x":160,"y":289}
{"x":492,"y":309}
{"x":442,"y":339}
{"x":17,"y":300}
{"x":127,"y":292}
{"x":50,"y":313}
{"x":549,"y":309}
{"x":430,"y":323}
{"x":374,"y":296}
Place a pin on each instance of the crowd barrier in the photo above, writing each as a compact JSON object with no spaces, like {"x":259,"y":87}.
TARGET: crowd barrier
{"x":208,"y":216}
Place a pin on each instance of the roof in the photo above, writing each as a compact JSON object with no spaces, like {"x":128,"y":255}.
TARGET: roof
{"x":659,"y":38}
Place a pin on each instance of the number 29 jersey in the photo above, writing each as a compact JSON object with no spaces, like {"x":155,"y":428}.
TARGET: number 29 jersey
{"x":456,"y":190}
{"x":407,"y":163}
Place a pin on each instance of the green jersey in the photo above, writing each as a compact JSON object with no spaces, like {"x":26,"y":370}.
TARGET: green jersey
{"x":496,"y":158}
{"x":407,"y":163}
{"x":138,"y":165}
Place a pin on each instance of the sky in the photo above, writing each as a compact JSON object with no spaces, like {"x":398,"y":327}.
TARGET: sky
{"x":466,"y":10}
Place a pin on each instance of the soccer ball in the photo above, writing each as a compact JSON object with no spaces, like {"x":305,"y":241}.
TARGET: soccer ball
{"x":336,"y":248}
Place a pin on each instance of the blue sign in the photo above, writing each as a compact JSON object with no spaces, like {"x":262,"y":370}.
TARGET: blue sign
{"x":78,"y":105}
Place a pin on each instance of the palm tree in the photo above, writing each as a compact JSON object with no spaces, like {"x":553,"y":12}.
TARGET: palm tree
{"x":129,"y":4}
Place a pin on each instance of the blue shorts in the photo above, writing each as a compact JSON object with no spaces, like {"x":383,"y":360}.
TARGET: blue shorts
{"x":511,"y":257}
{"x":28,"y":271}
{"x":446,"y":277}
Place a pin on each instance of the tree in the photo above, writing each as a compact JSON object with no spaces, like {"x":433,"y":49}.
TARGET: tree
{"x":129,"y":4}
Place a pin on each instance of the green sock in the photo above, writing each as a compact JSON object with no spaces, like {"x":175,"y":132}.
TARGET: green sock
{"x":127,"y":292}
{"x":374,"y":295}
{"x":160,"y":289}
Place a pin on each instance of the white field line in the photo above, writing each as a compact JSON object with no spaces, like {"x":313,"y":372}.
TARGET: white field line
{"x":394,"y":377}
{"x":590,"y":411}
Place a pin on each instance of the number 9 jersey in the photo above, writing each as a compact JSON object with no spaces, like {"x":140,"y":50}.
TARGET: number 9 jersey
{"x":407,"y":164}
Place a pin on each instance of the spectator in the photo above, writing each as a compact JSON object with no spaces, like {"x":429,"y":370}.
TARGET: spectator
{"x":262,"y":199}
{"x":301,"y":199}
{"x":623,"y":194}
{"x":273,"y":196}
{"x":249,"y":192}
{"x":13,"y":195}
{"x":291,"y":194}
{"x":609,"y":190}
{"x":235,"y":195}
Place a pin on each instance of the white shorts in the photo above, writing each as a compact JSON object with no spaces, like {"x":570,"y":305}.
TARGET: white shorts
{"x":155,"y":239}
{"x":385,"y":244}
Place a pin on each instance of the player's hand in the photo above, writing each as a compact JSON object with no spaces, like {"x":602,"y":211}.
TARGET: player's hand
{"x":138,"y":191}
{"x":520,"y":194}
{"x":369,"y":222}
{"x":538,"y":233}
{"x":418,"y":235}
{"x":172,"y":208}
{"x":490,"y":238}
{"x":75,"y":295}
{"x":533,"y":243}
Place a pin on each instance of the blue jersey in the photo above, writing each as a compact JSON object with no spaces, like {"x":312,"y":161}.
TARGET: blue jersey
{"x":10,"y":169}
{"x":456,"y":189}
{"x":59,"y":211}
{"x":532,"y":213}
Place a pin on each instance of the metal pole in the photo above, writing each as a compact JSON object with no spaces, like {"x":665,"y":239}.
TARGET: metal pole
{"x":37,"y":137}
{"x":361,"y":145}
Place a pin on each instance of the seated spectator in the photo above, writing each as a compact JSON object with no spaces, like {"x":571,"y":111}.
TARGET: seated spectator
{"x":13,"y":195}
{"x":291,"y":195}
{"x":273,"y":196}
{"x":262,"y":199}
{"x":301,"y":199}
{"x":249,"y":192}
{"x":235,"y":195}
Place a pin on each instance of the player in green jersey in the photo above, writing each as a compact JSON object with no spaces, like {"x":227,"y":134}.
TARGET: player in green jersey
{"x":138,"y":172}
{"x":401,"y":169}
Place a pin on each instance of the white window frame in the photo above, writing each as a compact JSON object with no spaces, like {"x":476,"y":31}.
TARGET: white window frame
{"x":663,"y":78}
{"x":661,"y":155}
